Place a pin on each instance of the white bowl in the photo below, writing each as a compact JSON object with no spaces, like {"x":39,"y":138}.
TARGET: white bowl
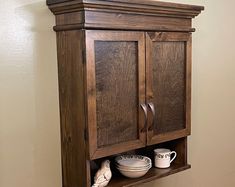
{"x":134,"y":161}
{"x":133,"y":174}
{"x":133,"y":168}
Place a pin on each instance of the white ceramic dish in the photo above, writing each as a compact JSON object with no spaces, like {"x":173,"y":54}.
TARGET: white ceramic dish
{"x":133,"y":161}
{"x":133,"y":174}
{"x":133,"y":168}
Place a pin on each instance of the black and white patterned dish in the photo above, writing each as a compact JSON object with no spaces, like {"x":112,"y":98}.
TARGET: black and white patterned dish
{"x":133,"y":166}
{"x":133,"y":161}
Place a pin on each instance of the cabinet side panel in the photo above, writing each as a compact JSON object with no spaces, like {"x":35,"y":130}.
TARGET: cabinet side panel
{"x":71,"y":91}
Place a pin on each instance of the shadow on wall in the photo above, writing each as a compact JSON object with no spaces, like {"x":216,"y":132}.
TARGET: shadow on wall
{"x":39,"y":22}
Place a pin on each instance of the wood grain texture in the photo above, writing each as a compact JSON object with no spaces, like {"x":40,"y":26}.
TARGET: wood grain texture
{"x":179,"y":164}
{"x":72,"y":114}
{"x":115,"y":90}
{"x":178,"y":145}
{"x":125,"y":27}
{"x":130,"y":3}
{"x":124,"y":21}
{"x":111,"y":62}
{"x":108,"y":19}
{"x":70,"y":18}
{"x":124,"y":15}
{"x":49,"y":2}
{"x":181,"y":148}
{"x":153,"y":174}
{"x":169,"y":86}
{"x":188,"y":83}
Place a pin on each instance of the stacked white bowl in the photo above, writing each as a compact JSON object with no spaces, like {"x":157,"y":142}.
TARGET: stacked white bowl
{"x":133,"y":166}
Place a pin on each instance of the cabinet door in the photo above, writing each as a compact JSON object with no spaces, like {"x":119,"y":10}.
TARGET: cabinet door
{"x":115,"y":74}
{"x":168,"y":85}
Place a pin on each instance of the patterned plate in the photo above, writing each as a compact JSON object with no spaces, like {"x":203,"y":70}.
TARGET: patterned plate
{"x":133,"y":161}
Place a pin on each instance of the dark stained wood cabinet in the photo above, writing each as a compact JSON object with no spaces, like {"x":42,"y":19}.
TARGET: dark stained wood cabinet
{"x":124,"y":84}
{"x":168,"y":90}
{"x":115,"y":91}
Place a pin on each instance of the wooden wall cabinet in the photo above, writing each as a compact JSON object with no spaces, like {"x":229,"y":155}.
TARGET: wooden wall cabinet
{"x":124,"y":83}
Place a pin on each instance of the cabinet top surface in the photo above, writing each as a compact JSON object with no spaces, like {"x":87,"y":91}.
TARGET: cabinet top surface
{"x":131,"y":2}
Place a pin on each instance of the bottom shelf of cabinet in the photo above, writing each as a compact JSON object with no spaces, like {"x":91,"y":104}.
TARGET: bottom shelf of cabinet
{"x":178,"y":165}
{"x":154,"y":173}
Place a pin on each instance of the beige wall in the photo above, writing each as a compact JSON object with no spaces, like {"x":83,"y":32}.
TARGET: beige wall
{"x":29,"y":114}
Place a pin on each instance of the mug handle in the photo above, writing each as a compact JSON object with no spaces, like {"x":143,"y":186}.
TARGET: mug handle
{"x":175,"y":154}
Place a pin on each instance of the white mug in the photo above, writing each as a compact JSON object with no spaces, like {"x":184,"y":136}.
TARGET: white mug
{"x":163,"y":157}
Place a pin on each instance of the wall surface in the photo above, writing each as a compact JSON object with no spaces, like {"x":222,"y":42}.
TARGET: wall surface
{"x":29,"y":108}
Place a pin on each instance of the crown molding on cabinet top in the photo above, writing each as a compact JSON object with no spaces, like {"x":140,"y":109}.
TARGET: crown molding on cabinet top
{"x":139,"y":6}
{"x":123,"y":15}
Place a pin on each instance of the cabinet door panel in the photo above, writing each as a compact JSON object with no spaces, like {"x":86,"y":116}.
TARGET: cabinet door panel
{"x":115,"y":91}
{"x":168,"y":85}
